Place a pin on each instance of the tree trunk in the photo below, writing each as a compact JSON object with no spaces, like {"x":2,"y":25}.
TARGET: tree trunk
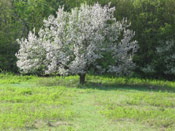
{"x":82,"y":78}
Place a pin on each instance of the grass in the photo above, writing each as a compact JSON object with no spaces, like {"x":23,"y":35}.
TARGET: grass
{"x":154,"y":110}
{"x":24,"y":107}
{"x":102,"y":104}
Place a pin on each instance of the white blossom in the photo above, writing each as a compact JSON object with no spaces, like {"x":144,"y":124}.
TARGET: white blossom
{"x":74,"y":42}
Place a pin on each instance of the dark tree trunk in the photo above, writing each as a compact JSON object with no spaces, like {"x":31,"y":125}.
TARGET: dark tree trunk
{"x":82,"y":78}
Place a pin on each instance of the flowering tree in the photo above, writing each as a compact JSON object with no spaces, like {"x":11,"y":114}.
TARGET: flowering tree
{"x":77,"y":41}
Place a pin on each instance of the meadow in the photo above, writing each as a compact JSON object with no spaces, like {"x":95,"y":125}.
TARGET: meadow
{"x":102,"y":104}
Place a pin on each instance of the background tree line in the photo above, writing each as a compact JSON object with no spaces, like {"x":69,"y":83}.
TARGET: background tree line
{"x":152,"y":20}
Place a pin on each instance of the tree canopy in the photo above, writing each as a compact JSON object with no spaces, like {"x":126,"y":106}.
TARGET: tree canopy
{"x":77,"y":41}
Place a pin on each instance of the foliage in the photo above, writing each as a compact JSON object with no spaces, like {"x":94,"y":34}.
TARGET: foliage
{"x":153,"y":23}
{"x":9,"y":27}
{"x":167,"y":57}
{"x":17,"y":17}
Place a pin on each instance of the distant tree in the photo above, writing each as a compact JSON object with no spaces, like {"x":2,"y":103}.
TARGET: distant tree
{"x":167,"y":57}
{"x":17,"y":18}
{"x":9,"y":25}
{"x":77,"y":41}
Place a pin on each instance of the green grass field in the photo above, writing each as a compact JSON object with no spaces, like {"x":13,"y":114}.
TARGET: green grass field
{"x":102,"y":104}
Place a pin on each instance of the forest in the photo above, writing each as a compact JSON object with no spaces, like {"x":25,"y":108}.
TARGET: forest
{"x":153,"y":22}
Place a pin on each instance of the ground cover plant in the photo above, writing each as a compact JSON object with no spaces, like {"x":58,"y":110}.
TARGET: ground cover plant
{"x":102,"y":104}
{"x":25,"y":106}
